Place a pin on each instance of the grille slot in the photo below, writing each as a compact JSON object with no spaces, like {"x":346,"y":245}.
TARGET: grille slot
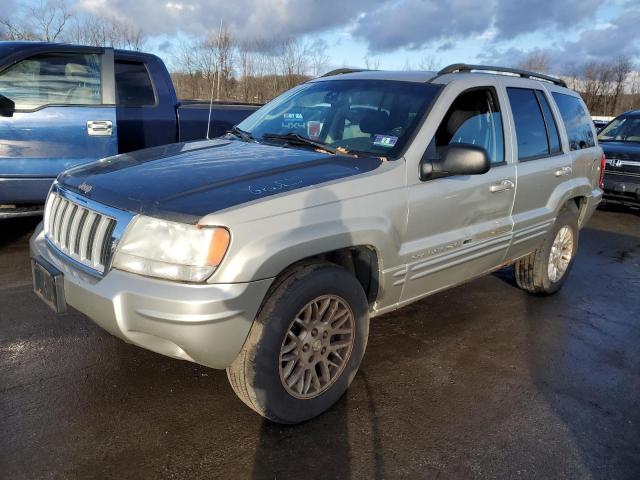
{"x":78,"y":232}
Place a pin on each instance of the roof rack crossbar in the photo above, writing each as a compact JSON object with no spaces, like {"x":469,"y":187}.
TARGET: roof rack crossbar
{"x":342,"y":71}
{"x":463,"y":67}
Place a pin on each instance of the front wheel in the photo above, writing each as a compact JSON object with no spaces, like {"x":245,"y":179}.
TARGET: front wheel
{"x":305,"y":346}
{"x":544,"y":271}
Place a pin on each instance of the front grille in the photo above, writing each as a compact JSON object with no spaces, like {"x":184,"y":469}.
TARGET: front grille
{"x":78,"y":232}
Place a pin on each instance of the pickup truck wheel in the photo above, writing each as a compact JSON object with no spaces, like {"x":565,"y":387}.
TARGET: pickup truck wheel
{"x":544,"y":271}
{"x":305,"y":346}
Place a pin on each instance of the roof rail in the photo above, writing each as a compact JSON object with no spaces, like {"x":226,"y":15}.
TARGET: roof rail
{"x":463,"y":67}
{"x":342,"y":71}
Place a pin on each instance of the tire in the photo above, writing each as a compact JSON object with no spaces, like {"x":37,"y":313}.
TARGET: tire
{"x":532,"y":272}
{"x":259,"y":375}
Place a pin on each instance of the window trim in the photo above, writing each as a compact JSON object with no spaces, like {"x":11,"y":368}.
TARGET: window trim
{"x":99,"y":52}
{"x":496,"y":98}
{"x":153,"y":85}
{"x":546,"y":129}
{"x":546,"y":124}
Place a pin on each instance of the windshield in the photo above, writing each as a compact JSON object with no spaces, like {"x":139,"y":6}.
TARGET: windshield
{"x":360,"y":116}
{"x":622,"y":129}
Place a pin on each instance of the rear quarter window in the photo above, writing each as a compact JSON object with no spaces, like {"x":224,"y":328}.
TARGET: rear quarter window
{"x":133,"y":85}
{"x":576,"y":121}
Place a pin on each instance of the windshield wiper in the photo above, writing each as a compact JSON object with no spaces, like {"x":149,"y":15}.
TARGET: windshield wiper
{"x":244,"y":136}
{"x":295,"y":139}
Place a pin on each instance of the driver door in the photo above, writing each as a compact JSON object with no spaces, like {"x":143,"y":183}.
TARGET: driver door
{"x":460,"y":227}
{"x":64,"y":116}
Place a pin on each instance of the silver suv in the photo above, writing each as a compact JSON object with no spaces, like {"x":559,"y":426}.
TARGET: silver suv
{"x":266,"y":252}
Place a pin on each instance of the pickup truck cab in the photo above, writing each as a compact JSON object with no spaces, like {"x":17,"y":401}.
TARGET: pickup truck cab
{"x":268,"y":251}
{"x":65,"y":105}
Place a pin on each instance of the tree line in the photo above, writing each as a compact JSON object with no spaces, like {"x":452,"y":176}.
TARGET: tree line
{"x":608,"y":87}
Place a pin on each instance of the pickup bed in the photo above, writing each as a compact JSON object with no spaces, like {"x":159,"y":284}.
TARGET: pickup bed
{"x":65,"y":105}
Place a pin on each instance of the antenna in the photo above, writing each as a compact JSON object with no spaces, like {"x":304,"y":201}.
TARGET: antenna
{"x":213,"y":84}
{"x":210,"y":109}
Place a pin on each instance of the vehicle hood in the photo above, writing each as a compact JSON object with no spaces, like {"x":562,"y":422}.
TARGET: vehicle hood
{"x":186,"y":181}
{"x":622,"y":156}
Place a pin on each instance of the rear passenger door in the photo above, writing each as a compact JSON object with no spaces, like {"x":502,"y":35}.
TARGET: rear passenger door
{"x":460,"y":226}
{"x":542,"y":166}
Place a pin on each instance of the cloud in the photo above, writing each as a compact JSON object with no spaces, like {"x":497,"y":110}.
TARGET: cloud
{"x":413,"y":24}
{"x":248,"y":19}
{"x":603,"y":42}
{"x":514,"y":17}
{"x":386,"y":26}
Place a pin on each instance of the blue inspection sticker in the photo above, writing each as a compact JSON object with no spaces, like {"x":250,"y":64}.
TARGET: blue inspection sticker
{"x":293,"y":120}
{"x":385,"y":141}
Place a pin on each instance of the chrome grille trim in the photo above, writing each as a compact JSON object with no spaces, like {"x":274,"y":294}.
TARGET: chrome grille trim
{"x":82,"y":230}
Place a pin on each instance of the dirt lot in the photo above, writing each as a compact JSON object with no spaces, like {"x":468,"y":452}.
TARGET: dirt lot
{"x":482,"y":381}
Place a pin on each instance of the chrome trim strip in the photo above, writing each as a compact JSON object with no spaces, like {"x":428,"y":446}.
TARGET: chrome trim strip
{"x":65,"y":212}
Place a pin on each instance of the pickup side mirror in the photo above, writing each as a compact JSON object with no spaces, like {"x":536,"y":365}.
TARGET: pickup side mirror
{"x":7,"y":106}
{"x":457,"y":159}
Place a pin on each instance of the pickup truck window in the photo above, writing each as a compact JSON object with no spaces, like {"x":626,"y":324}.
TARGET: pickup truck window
{"x":475,"y":118}
{"x":133,"y":85}
{"x":53,"y":79}
{"x":369,"y":116}
{"x":576,"y":121}
{"x":531,"y":132}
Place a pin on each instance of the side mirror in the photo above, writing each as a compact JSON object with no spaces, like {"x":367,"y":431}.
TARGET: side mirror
{"x":7,"y":106}
{"x":457,"y":159}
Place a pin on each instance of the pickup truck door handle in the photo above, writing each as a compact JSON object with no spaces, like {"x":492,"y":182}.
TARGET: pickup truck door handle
{"x":100,"y":128}
{"x":563,"y":171}
{"x":502,"y":186}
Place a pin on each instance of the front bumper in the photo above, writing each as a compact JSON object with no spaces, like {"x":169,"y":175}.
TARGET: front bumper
{"x":622,"y":188}
{"x":202,"y":323}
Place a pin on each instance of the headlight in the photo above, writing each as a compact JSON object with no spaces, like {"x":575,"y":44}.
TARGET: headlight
{"x":171,"y":250}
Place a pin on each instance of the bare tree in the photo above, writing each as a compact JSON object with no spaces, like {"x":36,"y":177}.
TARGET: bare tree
{"x":89,"y":29}
{"x":371,"y":63}
{"x":45,"y":20}
{"x":622,"y":67}
{"x":318,"y":57}
{"x":536,"y":62}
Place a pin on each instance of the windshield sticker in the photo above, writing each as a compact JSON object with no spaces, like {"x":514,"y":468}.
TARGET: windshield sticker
{"x":385,"y":141}
{"x":293,"y":120}
{"x":313,"y":129}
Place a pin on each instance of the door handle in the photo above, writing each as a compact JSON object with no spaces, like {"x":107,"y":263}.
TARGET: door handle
{"x":563,"y":171}
{"x":502,"y":186}
{"x":100,"y":128}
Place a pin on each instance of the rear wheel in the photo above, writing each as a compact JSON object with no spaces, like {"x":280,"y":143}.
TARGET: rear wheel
{"x":305,"y":346}
{"x":544,"y":271}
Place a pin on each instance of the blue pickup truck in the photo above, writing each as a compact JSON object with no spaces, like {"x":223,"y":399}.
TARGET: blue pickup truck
{"x":65,"y":105}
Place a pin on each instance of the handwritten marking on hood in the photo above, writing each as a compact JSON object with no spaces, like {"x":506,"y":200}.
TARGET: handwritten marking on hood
{"x":275,"y":186}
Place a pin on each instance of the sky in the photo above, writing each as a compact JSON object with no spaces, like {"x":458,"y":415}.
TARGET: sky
{"x":397,"y":34}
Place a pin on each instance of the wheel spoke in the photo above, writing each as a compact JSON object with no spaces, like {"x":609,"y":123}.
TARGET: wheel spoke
{"x":289,"y":367}
{"x":317,"y":346}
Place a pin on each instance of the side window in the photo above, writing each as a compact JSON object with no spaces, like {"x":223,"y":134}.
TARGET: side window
{"x":133,"y":85}
{"x":475,"y":118}
{"x":53,"y":79}
{"x":530,"y":126}
{"x":576,"y":121}
{"x":552,"y":128}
